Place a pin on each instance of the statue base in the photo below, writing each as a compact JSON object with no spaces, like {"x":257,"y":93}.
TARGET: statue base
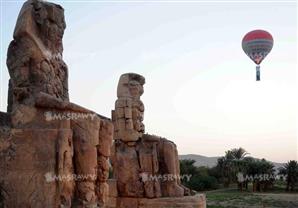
{"x":196,"y":201}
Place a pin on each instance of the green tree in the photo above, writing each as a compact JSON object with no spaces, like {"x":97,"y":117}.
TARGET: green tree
{"x":187,"y":167}
{"x":261,"y":170}
{"x":239,"y":153}
{"x":291,"y":170}
{"x":200,"y":179}
{"x":230,"y":164}
{"x":224,"y":165}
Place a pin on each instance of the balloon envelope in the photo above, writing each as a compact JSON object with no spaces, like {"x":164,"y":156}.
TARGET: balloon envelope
{"x":257,"y":44}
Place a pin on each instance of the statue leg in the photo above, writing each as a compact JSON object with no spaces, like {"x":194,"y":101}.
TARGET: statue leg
{"x":169,"y":154}
{"x":85,"y":138}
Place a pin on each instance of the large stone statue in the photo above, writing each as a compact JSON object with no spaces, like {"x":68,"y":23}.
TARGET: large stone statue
{"x":144,"y":165}
{"x":39,"y":76}
{"x":53,"y":153}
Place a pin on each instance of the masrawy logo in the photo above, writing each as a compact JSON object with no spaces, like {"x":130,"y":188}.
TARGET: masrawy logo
{"x":51,"y":116}
{"x":240,"y":177}
{"x":51,"y":177}
{"x":166,"y":177}
{"x":259,"y":177}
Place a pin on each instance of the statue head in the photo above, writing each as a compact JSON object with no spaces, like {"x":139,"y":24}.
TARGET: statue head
{"x":44,"y":23}
{"x":131,"y":85}
{"x":50,"y":19}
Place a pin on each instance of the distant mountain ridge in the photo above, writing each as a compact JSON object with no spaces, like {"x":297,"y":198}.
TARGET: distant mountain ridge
{"x":212,"y":161}
{"x":200,"y":160}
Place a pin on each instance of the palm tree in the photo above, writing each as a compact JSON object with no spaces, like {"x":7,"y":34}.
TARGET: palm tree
{"x":260,"y":167}
{"x":224,"y":165}
{"x":239,"y":165}
{"x":239,"y":153}
{"x":247,"y":163}
{"x":187,"y":167}
{"x":231,"y":164}
{"x":291,"y":169}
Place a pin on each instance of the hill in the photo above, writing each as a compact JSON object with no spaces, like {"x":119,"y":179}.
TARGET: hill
{"x":212,"y":161}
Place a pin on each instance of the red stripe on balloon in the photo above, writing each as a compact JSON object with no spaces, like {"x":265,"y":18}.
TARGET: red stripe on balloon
{"x":257,"y":34}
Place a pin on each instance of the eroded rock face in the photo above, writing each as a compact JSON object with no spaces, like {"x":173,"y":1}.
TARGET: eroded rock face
{"x":53,"y":153}
{"x":141,"y":161}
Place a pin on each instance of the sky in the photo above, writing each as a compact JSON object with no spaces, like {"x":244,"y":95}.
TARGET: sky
{"x":200,"y":89}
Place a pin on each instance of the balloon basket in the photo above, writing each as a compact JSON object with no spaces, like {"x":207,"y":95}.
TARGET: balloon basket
{"x":258,"y":73}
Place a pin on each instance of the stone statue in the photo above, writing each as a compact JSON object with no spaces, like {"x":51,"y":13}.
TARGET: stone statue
{"x":141,"y":161}
{"x":39,"y":76}
{"x":54,"y":153}
{"x":48,"y":136}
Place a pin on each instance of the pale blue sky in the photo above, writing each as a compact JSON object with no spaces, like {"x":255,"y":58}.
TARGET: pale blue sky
{"x":201,"y":90}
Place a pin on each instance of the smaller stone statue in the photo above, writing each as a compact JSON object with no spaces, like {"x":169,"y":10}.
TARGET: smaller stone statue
{"x":144,"y":165}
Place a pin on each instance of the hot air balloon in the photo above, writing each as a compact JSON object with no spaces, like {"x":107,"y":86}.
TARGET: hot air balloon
{"x":257,"y":44}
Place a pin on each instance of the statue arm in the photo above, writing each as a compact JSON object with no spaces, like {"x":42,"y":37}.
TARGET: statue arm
{"x":18,"y":61}
{"x":151,"y":138}
{"x":44,"y":100}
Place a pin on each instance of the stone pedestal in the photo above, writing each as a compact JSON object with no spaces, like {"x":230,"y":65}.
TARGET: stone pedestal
{"x":196,"y":201}
{"x":29,"y":161}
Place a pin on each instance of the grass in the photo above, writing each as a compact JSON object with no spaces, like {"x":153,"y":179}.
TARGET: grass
{"x":232,"y":198}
